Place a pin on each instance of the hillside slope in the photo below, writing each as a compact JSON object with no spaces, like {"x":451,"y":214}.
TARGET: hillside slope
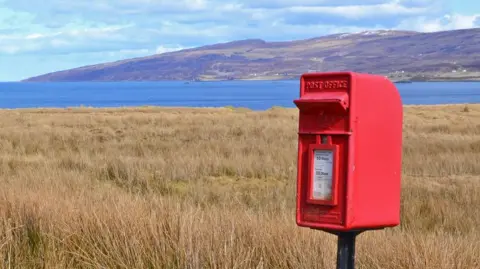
{"x":378,"y":52}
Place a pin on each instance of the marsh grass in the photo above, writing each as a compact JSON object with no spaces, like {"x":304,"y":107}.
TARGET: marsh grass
{"x":215,"y":188}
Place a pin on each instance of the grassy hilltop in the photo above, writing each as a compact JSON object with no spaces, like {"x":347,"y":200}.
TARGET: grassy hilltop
{"x":215,"y":188}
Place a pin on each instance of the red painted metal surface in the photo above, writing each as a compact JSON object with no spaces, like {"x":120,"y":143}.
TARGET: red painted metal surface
{"x":360,"y":118}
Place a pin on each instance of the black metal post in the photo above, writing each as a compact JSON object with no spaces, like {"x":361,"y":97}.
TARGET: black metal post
{"x":346,"y":250}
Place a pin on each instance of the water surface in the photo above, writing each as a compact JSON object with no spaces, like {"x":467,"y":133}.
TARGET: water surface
{"x":257,"y":95}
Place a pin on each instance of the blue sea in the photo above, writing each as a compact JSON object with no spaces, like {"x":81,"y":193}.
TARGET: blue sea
{"x":256,"y":95}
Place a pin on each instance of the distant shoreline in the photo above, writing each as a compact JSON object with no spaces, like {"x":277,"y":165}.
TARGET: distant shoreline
{"x":407,"y":80}
{"x":187,"y":108}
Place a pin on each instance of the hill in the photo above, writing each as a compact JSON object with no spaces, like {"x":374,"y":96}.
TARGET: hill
{"x":385,"y":52}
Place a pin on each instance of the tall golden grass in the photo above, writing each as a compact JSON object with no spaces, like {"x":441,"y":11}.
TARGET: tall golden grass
{"x":215,"y":188}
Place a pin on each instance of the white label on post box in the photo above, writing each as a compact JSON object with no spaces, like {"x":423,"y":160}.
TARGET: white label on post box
{"x":322,"y":174}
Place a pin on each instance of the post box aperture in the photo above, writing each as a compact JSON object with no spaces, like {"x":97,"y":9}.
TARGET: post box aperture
{"x":349,"y":151}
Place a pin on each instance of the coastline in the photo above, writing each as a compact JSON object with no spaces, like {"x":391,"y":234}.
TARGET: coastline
{"x":395,"y":77}
{"x":149,"y":108}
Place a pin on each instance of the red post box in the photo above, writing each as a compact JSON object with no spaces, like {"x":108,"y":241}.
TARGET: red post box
{"x":349,"y":152}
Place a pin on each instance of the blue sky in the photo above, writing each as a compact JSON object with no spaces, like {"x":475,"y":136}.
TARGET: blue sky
{"x":38,"y":37}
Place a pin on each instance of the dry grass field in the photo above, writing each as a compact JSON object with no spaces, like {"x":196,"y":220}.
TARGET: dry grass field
{"x":215,"y":188}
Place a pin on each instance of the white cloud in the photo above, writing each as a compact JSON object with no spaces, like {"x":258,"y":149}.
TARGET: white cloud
{"x":446,"y":22}
{"x":163,"y":49}
{"x":75,"y":40}
{"x":361,"y":11}
{"x":34,"y":36}
{"x":128,"y":53}
{"x":9,"y":49}
{"x":458,"y":21}
{"x":117,"y":11}
{"x":59,"y":43}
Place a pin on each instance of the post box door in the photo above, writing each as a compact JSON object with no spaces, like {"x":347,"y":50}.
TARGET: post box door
{"x":322,"y":190}
{"x":324,"y":137}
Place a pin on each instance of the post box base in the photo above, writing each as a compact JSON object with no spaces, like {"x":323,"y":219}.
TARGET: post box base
{"x":346,"y":246}
{"x":357,"y":231}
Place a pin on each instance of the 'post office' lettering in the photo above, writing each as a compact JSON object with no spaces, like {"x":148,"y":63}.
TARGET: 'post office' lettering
{"x":326,"y":84}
